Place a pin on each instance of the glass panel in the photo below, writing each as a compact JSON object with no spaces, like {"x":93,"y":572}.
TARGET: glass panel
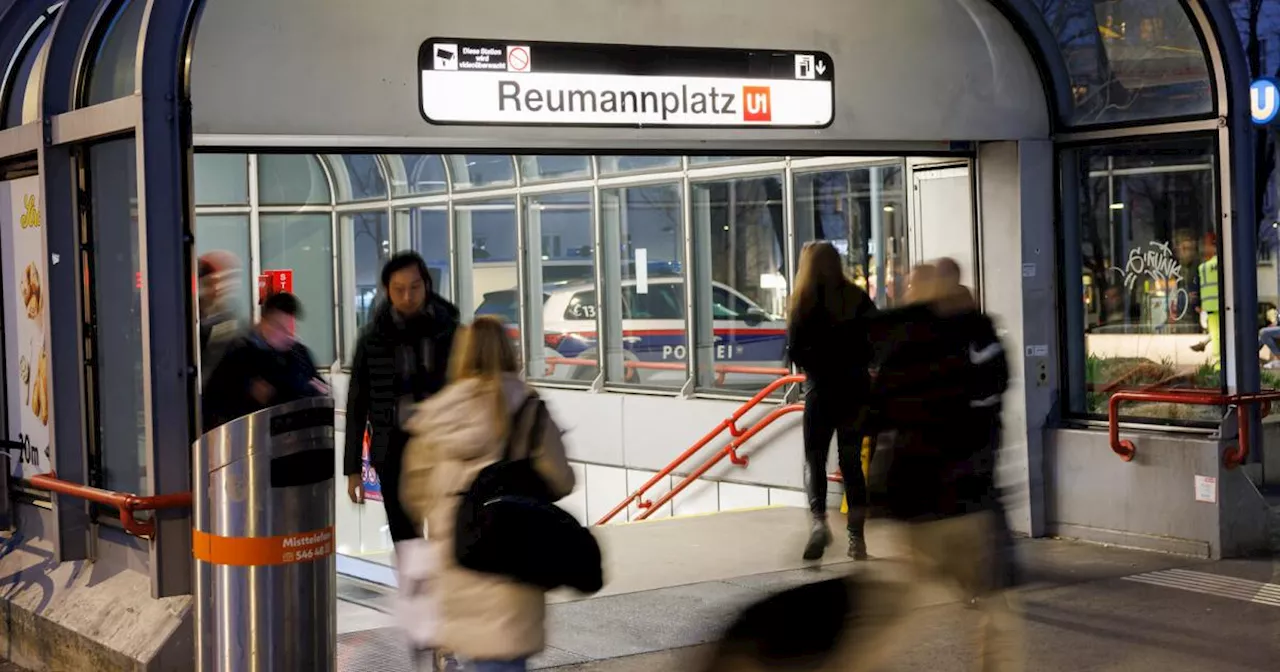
{"x":222,"y":179}
{"x":369,"y":236}
{"x":632,"y":164}
{"x":651,"y":323}
{"x":544,"y":168}
{"x":702,"y":160}
{"x":494,"y":279}
{"x":1148,"y":312}
{"x":111,"y":69}
{"x":229,"y":234}
{"x":562,"y":223}
{"x":861,"y":211}
{"x":117,"y":294}
{"x":20,"y":103}
{"x":291,"y":179}
{"x":748,"y":269}
{"x":358,"y":176}
{"x":429,"y":237}
{"x":423,"y":174}
{"x":303,"y":243}
{"x":482,"y":170}
{"x":1129,"y":60}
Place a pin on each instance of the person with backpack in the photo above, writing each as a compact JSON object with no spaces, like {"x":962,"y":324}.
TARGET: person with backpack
{"x":495,"y":621}
{"x":827,"y":340}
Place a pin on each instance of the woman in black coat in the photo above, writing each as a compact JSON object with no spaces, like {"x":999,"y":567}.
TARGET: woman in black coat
{"x":827,"y":340}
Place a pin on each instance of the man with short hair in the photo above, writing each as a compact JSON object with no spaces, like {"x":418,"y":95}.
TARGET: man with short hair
{"x":265,"y":367}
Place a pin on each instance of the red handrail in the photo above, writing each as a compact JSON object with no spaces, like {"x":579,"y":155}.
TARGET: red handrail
{"x":730,"y":424}
{"x":729,"y":450}
{"x":1233,"y":456}
{"x":127,"y":503}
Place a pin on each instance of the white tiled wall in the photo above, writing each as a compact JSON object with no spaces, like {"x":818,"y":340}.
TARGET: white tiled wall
{"x":736,"y":496}
{"x":606,"y":487}
{"x":576,"y":503}
{"x":784,"y":497}
{"x":637,"y":478}
{"x":700,"y":497}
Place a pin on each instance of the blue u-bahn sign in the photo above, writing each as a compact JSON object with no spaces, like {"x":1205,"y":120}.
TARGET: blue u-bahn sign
{"x":1264,"y":101}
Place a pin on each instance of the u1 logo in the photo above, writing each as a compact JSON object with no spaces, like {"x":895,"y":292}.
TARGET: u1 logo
{"x":756,"y":104}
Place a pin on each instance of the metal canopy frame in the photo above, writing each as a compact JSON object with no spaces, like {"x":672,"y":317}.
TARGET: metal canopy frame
{"x":158,"y":116}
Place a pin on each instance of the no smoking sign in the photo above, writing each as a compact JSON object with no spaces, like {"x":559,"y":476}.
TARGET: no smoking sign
{"x":518,"y":59}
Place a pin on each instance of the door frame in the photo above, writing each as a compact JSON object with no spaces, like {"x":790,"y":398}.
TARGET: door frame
{"x":922,"y":169}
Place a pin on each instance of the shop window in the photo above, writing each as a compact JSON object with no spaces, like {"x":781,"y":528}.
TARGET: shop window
{"x":230,"y":234}
{"x":20,"y":102}
{"x":1130,"y":60}
{"x":563,"y":264}
{"x":113,"y":65}
{"x":861,"y":212}
{"x":647,"y":340}
{"x":1142,"y":275}
{"x":222,"y":179}
{"x":292,"y":179}
{"x":474,"y":171}
{"x":427,"y":231}
{"x":423,"y":174}
{"x":611,"y":165}
{"x":743,"y":225}
{"x":117,"y":356}
{"x":358,"y":177}
{"x":367,"y":236}
{"x":545,"y":168}
{"x":303,"y":243}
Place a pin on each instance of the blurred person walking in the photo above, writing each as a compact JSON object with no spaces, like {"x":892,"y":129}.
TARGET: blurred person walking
{"x":827,"y":340}
{"x":219,"y":324}
{"x":491,"y":620}
{"x":265,"y":367}
{"x":401,"y":359}
{"x":942,"y":373}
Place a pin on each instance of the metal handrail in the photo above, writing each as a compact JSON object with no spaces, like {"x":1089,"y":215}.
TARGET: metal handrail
{"x":730,"y":424}
{"x":1232,"y":456}
{"x":127,"y":503}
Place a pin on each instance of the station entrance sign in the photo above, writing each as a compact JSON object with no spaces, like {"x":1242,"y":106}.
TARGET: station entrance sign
{"x":485,"y":82}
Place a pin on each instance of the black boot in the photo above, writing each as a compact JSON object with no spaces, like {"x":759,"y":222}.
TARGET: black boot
{"x":819,"y":539}
{"x":857,"y":534}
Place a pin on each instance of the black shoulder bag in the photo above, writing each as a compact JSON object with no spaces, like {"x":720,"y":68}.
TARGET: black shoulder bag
{"x":507,"y":524}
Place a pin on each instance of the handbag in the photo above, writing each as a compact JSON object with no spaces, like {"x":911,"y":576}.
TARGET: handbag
{"x":507,"y":524}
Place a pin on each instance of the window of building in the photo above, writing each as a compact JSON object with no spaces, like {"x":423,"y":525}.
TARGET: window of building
{"x":222,"y":179}
{"x":612,"y":165}
{"x":303,"y":243}
{"x":229,"y":233}
{"x":114,"y":64}
{"x":358,"y":177}
{"x":544,"y":168}
{"x":474,"y":171}
{"x":20,"y":101}
{"x":1142,"y":278}
{"x":561,"y":261}
{"x":742,"y":221}
{"x":428,"y":235}
{"x":645,"y":326}
{"x":861,"y":211}
{"x":292,"y":179}
{"x":419,"y":174}
{"x":116,"y":280}
{"x":367,"y":236}
{"x":488,"y":276}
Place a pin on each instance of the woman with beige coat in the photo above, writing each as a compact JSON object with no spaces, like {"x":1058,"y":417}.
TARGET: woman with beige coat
{"x":495,"y":622}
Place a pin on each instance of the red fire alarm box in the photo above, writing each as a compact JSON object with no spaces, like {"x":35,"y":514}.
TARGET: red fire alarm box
{"x":274,"y":282}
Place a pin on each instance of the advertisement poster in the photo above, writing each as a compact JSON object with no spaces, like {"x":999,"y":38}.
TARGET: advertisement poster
{"x":26,"y":319}
{"x":372,"y":488}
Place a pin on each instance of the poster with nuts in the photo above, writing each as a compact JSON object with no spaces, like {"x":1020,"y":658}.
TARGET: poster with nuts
{"x":23,"y":259}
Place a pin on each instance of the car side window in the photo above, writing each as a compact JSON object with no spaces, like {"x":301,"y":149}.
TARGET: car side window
{"x":728,"y":306}
{"x":581,"y":307}
{"x":662,"y":302}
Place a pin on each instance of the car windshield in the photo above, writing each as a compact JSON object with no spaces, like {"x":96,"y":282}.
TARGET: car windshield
{"x":504,"y":304}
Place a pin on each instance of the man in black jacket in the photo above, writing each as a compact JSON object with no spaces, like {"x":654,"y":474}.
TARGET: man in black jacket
{"x":401,"y":359}
{"x":265,"y":367}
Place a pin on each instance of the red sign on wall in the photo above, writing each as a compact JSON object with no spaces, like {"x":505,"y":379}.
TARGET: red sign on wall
{"x":274,"y":282}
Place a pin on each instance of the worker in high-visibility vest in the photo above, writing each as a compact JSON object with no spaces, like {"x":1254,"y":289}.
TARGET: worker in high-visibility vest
{"x":1209,"y":304}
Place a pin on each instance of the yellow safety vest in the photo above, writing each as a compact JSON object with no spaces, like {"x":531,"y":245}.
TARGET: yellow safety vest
{"x":1209,"y":285}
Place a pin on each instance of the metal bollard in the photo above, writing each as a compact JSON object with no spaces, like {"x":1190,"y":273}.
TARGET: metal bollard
{"x":263,"y":542}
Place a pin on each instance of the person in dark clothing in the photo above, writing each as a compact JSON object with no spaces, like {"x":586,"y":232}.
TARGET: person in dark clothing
{"x":401,"y":359}
{"x":265,"y":367}
{"x":827,"y":340}
{"x":940,"y":373}
{"x":218,"y":323}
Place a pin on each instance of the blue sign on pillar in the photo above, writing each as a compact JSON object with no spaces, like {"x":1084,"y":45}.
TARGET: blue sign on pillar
{"x":1264,"y":99}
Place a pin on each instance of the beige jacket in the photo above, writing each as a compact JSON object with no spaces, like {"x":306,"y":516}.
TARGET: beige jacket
{"x":484,"y":616}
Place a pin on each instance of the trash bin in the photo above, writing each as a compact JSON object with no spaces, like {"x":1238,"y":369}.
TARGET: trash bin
{"x":263,"y":541}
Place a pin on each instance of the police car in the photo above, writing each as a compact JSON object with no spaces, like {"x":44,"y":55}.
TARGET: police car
{"x":653,"y":329}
